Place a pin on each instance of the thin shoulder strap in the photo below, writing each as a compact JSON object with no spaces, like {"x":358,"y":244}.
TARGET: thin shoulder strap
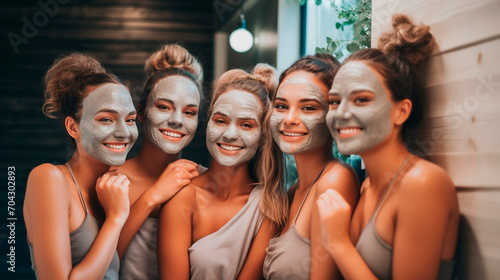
{"x":78,"y":187}
{"x":307,"y":193}
{"x":389,"y":186}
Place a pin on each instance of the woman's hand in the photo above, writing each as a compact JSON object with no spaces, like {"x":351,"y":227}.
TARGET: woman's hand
{"x":177,"y":175}
{"x":112,"y":192}
{"x":335,"y":218}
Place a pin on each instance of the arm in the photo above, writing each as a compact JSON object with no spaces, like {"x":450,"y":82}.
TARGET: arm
{"x":176,"y":176}
{"x":345,"y":182}
{"x":422,"y":216}
{"x":47,"y":205}
{"x":174,"y":235}
{"x":252,"y":269}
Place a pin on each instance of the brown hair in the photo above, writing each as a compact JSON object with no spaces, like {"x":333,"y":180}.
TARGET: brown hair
{"x":262,"y":83}
{"x":170,"y":60}
{"x":66,"y":82}
{"x":272,"y":166}
{"x":400,"y":52}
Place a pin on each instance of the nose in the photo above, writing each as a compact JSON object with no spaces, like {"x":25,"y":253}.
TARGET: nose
{"x":343,"y":111}
{"x":121,"y":131}
{"x":291,"y":117}
{"x":176,"y":119}
{"x":231,"y":134}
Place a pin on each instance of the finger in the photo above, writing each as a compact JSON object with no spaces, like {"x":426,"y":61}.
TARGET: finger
{"x":185,"y":182}
{"x":119,"y":180}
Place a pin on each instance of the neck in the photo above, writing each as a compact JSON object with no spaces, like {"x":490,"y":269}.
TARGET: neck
{"x":228,"y":181}
{"x":310,"y":163}
{"x":383,"y":161}
{"x":86,"y":170}
{"x":152,"y":160}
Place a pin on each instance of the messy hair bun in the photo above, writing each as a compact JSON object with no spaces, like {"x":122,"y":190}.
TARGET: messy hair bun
{"x":66,"y":81}
{"x":170,"y":60}
{"x":410,"y":41}
{"x":261,"y":82}
{"x":174,"y":56}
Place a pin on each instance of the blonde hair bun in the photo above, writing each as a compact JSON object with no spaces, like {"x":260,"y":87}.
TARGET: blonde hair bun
{"x":411,"y":41}
{"x":174,"y":56}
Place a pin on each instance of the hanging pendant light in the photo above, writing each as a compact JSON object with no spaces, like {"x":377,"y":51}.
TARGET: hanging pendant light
{"x":241,"y":40}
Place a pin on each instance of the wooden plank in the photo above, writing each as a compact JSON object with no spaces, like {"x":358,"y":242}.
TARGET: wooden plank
{"x":478,"y":251}
{"x":470,"y":169}
{"x":473,"y":62}
{"x":454,"y":24}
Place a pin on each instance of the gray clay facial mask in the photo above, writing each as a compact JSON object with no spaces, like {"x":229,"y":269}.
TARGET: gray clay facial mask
{"x":307,"y":130}
{"x":171,"y":113}
{"x":107,"y":126}
{"x":234,"y":128}
{"x":360,"y":110}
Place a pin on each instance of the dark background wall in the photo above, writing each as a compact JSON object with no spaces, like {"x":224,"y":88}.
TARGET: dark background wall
{"x":120,"y":34}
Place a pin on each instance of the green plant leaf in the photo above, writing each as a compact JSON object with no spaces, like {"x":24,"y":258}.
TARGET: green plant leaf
{"x":338,"y":25}
{"x":352,"y":47}
{"x":331,"y":47}
{"x":328,"y":40}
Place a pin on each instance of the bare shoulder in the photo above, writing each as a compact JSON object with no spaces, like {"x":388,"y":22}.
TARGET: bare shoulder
{"x":337,"y":175}
{"x":46,"y":176}
{"x":185,"y":196}
{"x":427,"y":180}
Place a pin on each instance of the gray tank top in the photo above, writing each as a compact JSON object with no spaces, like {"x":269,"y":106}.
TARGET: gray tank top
{"x":221,"y":255}
{"x":289,"y":255}
{"x":141,"y":260}
{"x":82,"y":238}
{"x":378,"y":255}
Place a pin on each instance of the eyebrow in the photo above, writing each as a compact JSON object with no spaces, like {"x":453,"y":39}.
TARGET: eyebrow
{"x":309,"y":100}
{"x":115,"y":112}
{"x":220,"y":113}
{"x":356,"y":91}
{"x":171,"y":101}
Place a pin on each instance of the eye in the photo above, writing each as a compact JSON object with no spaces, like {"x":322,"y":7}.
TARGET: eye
{"x":219,"y":121}
{"x":163,"y":107}
{"x":309,"y":108}
{"x":191,"y":113}
{"x":130,"y":121}
{"x":105,"y":120}
{"x":362,"y":99}
{"x":247,"y":125}
{"x":280,"y":106}
{"x":333,"y":101}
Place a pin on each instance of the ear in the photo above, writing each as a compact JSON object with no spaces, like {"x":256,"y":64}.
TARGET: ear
{"x":403,"y":111}
{"x":72,"y":127}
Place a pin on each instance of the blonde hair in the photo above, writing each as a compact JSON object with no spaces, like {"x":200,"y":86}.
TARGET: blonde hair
{"x":262,"y":83}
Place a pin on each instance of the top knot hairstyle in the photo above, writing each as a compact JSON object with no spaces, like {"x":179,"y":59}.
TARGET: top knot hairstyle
{"x":261,"y":82}
{"x":66,"y":82}
{"x":400,"y":52}
{"x":170,"y":60}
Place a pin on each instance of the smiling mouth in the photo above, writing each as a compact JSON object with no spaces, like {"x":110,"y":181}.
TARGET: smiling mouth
{"x":172,"y":134}
{"x":349,"y":131}
{"x":115,"y":147}
{"x":293,"y":134}
{"x":230,"y":147}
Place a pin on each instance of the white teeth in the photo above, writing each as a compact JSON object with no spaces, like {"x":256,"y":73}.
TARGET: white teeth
{"x":230,"y":148}
{"x":171,"y":134}
{"x":293,"y":134}
{"x":348,"y":130}
{"x":113,"y":146}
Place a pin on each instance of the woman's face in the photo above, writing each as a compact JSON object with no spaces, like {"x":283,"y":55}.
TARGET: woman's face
{"x":107,"y":125}
{"x":234,"y":129}
{"x":171,"y":113}
{"x":298,"y":118}
{"x":360,"y":109}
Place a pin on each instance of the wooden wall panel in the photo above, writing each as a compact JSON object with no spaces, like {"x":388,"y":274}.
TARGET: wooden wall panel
{"x":461,"y":128}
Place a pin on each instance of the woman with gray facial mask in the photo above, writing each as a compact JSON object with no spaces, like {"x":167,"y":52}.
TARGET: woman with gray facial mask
{"x":217,"y":227}
{"x":168,"y":112}
{"x":297,"y":126}
{"x":74,"y":212}
{"x":405,"y":224}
